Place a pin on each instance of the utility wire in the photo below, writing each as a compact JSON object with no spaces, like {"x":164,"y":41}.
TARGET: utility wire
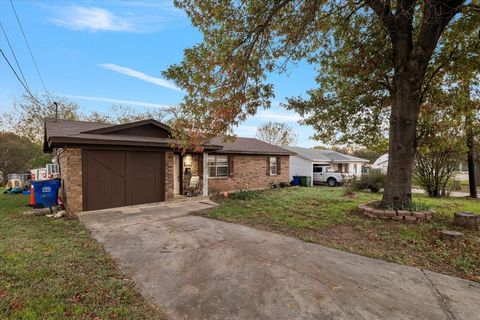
{"x":16,"y":75}
{"x":15,"y":57}
{"x":28,"y":46}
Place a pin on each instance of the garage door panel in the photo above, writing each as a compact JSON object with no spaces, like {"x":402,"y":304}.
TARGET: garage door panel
{"x":145,"y":177}
{"x":111,"y":161}
{"x":104,"y":179}
{"x":118,"y":178}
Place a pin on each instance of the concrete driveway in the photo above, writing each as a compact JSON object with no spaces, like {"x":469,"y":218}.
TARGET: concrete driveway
{"x":197,"y":268}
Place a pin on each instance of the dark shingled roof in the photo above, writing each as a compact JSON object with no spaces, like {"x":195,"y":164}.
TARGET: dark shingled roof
{"x":249,"y":146}
{"x":62,"y":132}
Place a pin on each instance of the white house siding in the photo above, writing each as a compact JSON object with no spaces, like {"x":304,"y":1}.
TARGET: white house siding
{"x":358,"y":166}
{"x":300,"y":167}
{"x":354,"y":168}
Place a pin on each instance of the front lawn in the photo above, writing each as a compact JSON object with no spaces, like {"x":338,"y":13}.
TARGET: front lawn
{"x":326,"y":216}
{"x":52,"y":269}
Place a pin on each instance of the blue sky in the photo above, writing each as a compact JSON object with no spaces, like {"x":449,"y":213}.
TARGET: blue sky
{"x":100,"y":53}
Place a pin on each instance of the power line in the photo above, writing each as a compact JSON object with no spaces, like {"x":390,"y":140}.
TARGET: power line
{"x":15,"y":57}
{"x":28,"y":46}
{"x":16,"y":75}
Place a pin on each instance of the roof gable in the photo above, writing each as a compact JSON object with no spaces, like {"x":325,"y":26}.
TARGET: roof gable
{"x":142,"y":128}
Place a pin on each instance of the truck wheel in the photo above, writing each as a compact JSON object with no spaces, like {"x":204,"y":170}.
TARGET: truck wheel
{"x":332,"y":182}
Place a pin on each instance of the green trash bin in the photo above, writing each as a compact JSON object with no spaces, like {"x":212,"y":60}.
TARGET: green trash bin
{"x":303,"y":181}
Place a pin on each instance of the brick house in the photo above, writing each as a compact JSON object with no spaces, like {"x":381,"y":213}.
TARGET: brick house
{"x":106,"y":166}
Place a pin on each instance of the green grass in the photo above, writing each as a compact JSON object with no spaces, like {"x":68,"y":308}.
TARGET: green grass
{"x":53,"y":269}
{"x":326,"y":216}
{"x":294,"y":207}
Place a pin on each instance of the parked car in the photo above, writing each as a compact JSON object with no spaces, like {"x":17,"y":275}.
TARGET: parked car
{"x":325,"y":174}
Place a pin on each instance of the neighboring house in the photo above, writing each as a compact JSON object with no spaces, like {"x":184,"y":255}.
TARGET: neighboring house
{"x":381,"y":164}
{"x":106,"y":166}
{"x":303,"y":163}
{"x":462,"y":171}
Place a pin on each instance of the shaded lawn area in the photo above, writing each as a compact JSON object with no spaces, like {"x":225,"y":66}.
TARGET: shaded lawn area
{"x":52,"y":269}
{"x":326,"y":216}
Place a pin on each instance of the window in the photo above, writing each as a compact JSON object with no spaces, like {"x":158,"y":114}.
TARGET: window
{"x":317,"y":169}
{"x":355,"y":168}
{"x":273,"y":166}
{"x":217,"y":166}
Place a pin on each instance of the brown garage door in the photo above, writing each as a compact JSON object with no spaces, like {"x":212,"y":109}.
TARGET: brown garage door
{"x":119,"y":178}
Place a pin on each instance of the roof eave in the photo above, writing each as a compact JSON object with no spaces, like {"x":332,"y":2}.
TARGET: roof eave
{"x":345,"y":161}
{"x":255,"y":152}
{"x":62,"y":141}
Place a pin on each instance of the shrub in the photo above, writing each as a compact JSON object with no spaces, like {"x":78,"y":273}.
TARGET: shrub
{"x":244,"y":194}
{"x":435,"y":166}
{"x":373,"y":181}
{"x":349,"y":185}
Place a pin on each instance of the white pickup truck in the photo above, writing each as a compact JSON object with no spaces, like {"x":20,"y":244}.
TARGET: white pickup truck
{"x":325,"y":174}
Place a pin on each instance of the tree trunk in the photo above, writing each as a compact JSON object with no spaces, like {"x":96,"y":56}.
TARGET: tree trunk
{"x":477,"y":174}
{"x":471,"y":165}
{"x":469,"y":114}
{"x":402,"y":143}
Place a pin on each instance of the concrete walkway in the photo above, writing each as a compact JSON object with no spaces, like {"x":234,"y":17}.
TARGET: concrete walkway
{"x":198,"y":268}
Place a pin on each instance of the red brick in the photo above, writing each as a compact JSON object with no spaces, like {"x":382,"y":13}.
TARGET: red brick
{"x":250,"y":172}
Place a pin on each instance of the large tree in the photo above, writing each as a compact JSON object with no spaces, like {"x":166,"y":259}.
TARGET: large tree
{"x":29,"y":113}
{"x":277,"y":133}
{"x":19,"y":155}
{"x":225,"y":76}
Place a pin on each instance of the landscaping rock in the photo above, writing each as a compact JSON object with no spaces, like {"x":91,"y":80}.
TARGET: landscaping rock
{"x":390,"y":213}
{"x":379,"y":213}
{"x":419,"y":215}
{"x":467,"y":220}
{"x":410,"y":218}
{"x":450,"y":235}
{"x":404,"y":213}
{"x":372,"y":211}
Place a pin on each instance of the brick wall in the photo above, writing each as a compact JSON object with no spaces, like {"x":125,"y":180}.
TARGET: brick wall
{"x":70,"y":162}
{"x":250,"y":172}
{"x":169,"y":191}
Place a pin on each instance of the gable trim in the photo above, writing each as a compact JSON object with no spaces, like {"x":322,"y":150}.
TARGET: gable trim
{"x":128,"y":126}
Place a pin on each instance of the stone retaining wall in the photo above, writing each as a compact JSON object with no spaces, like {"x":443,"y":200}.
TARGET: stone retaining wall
{"x":399,"y":215}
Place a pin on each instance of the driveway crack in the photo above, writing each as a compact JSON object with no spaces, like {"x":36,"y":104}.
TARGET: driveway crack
{"x":441,"y":298}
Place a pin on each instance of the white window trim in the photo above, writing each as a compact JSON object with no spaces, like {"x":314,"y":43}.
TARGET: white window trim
{"x":216,"y":166}
{"x":276,"y":166}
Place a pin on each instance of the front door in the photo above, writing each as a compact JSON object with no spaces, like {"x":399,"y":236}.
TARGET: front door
{"x":176,"y":174}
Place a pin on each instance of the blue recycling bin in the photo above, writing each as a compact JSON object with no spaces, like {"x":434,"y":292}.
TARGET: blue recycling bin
{"x":46,"y":192}
{"x":296,"y":180}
